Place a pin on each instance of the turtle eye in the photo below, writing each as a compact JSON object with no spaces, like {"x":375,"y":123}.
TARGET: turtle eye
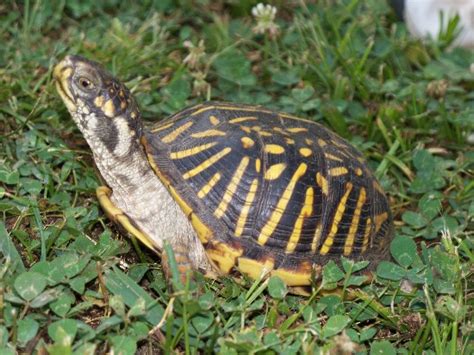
{"x":86,"y":84}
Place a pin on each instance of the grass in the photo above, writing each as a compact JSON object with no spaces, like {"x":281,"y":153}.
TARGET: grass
{"x":71,"y":283}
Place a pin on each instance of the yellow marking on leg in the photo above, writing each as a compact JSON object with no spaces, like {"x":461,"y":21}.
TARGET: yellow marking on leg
{"x":274,"y":171}
{"x":297,"y":129}
{"x":322,"y":183}
{"x":274,"y":149}
{"x":337,"y":171}
{"x":306,"y":211}
{"x":280,"y":208}
{"x":191,"y":151}
{"x":209,"y":185}
{"x":306,"y":152}
{"x":368,"y":229}
{"x":332,"y":157}
{"x":321,"y":142}
{"x":358,"y":171}
{"x":316,"y":238}
{"x":247,"y":142}
{"x":337,"y":218}
{"x":258,"y":165}
{"x":170,"y":137}
{"x":242,"y":119}
{"x":232,"y":187}
{"x":379,"y":219}
{"x":355,"y":223}
{"x":214,"y":120}
{"x":208,"y":133}
{"x":108,"y":108}
{"x":239,"y":228}
{"x":162,"y":128}
{"x":206,"y":163}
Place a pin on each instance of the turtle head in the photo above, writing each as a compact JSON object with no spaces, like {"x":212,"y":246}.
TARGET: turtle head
{"x":102,"y":107}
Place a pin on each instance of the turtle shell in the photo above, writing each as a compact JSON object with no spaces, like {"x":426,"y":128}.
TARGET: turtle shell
{"x":267,"y":190}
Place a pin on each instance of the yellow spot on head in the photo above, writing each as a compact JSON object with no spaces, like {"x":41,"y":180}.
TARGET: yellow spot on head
{"x":306,"y":152}
{"x":99,"y":101}
{"x":123,"y":105}
{"x":133,"y":114}
{"x":247,"y":142}
{"x":214,"y":120}
{"x":108,"y":108}
{"x":337,"y":171}
{"x":274,"y":149}
{"x":274,"y":171}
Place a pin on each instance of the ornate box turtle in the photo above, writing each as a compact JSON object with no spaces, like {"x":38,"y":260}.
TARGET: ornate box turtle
{"x":228,"y":185}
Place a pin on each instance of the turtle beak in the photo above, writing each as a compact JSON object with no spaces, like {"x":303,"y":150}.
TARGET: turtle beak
{"x":61,"y":73}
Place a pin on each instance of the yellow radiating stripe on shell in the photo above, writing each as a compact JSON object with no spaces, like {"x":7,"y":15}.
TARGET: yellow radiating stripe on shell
{"x":306,"y":211}
{"x":355,"y":223}
{"x":206,"y":163}
{"x":280,"y":208}
{"x":332,"y":157}
{"x":322,"y":183}
{"x":214,"y":120}
{"x":232,"y":187}
{"x":208,"y":133}
{"x":368,"y":229}
{"x":337,"y":218}
{"x":306,"y":152}
{"x":379,"y":219}
{"x":162,"y":128}
{"x":274,"y":149}
{"x":258,"y":165}
{"x":358,"y":171}
{"x":247,"y":142}
{"x":316,"y":238}
{"x":209,"y":185}
{"x":289,"y":141}
{"x":274,"y":171}
{"x":170,"y":137}
{"x":246,"y":208}
{"x":321,"y":142}
{"x":191,"y":151}
{"x":337,"y":171}
{"x":242,"y":119}
{"x":297,"y":129}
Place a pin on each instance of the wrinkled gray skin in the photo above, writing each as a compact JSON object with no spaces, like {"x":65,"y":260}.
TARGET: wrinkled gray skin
{"x":106,"y":113}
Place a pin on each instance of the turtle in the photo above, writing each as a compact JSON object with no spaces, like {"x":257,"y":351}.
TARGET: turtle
{"x":231,"y":188}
